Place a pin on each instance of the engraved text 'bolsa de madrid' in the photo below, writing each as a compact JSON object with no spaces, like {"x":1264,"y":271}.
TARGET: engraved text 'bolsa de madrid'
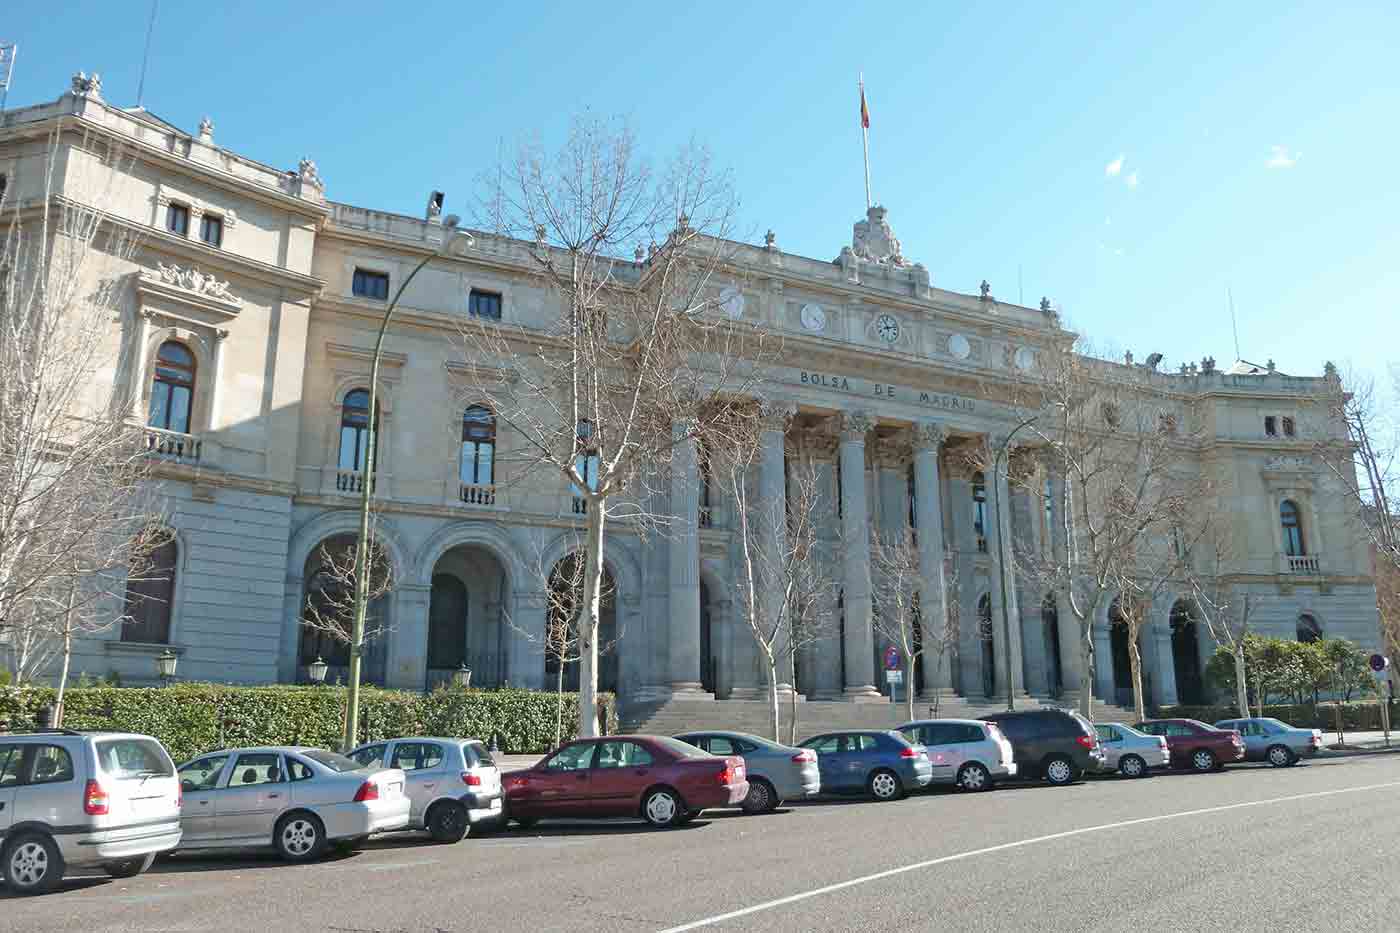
{"x":885,"y":391}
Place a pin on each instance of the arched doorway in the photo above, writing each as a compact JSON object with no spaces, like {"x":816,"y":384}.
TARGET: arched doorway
{"x":328,"y":611}
{"x":1186,"y":656}
{"x":708,"y":662}
{"x":987,"y":637}
{"x":1050,"y":625}
{"x":466,"y":625}
{"x":1122,"y":663}
{"x":561,"y":649}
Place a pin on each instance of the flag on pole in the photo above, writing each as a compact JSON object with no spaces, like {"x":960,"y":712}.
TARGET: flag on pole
{"x":864,"y":111}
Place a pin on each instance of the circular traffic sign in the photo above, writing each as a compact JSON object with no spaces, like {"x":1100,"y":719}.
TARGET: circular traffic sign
{"x":1379,"y":662}
{"x":891,"y":658}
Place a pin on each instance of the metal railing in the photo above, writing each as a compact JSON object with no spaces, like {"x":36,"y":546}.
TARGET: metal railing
{"x":580,"y":505}
{"x":350,"y":481}
{"x":478,"y":494}
{"x":1307,"y":563}
{"x":172,"y":445}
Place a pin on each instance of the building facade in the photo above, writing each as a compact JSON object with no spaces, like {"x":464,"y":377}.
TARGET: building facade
{"x":247,"y":336}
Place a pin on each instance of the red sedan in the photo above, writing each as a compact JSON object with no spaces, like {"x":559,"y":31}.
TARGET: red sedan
{"x":662,"y":780}
{"x":1196,"y":745}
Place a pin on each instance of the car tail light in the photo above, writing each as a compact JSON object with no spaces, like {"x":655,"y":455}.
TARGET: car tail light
{"x":94,"y":799}
{"x":726,"y":776}
{"x":804,"y":756}
{"x":1084,"y":741}
{"x":471,"y":780}
{"x":909,"y":751}
{"x":179,"y":795}
{"x":517,"y":782}
{"x":368,"y":791}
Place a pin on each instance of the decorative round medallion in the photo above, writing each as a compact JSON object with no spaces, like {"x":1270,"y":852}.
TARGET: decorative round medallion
{"x":731,"y":302}
{"x":887,"y":327}
{"x":959,"y":347}
{"x":814,"y":317}
{"x":1025,"y":358}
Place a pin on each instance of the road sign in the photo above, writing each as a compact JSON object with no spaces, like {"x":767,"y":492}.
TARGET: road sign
{"x":891,"y":658}
{"x":1379,"y":662}
{"x":894,"y":677}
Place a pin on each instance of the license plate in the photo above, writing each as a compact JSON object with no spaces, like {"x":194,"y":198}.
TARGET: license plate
{"x":396,"y":788}
{"x":150,"y":804}
{"x":496,"y":804}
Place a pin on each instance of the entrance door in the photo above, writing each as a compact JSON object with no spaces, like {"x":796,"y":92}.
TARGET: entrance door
{"x":1186,"y":657}
{"x":707,"y":658}
{"x":1054,"y":673}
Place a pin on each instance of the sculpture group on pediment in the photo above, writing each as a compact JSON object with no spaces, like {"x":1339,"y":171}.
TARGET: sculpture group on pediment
{"x":194,"y":280}
{"x":85,"y":86}
{"x":874,"y":241}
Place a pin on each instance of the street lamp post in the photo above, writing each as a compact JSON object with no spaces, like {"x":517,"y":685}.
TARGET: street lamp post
{"x":165,"y":665}
{"x":362,"y":545}
{"x":316,"y":670}
{"x":1001,"y":557}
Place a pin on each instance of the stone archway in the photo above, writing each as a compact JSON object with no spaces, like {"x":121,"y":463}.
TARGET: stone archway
{"x":1186,"y":656}
{"x":1122,"y":662}
{"x":326,"y":612}
{"x":466,"y":618}
{"x":1050,"y":626}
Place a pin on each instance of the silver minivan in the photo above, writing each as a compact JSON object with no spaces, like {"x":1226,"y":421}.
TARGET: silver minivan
{"x":452,"y":784}
{"x":967,"y":752}
{"x":83,"y":799}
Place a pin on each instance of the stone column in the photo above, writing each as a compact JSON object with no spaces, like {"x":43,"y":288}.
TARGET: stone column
{"x":772,"y":520}
{"x":1103,"y":663}
{"x":858,"y":640}
{"x":933,"y":586}
{"x":684,"y":634}
{"x":1165,"y":682}
{"x":291,"y":630}
{"x":1004,"y":572}
{"x":526,"y":640}
{"x":1066,"y":623}
{"x":407,"y":667}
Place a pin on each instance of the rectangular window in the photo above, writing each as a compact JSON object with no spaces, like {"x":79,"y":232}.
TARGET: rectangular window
{"x":1270,"y":426}
{"x":211,"y":230}
{"x":177,"y":219}
{"x":1289,"y":428}
{"x":484,"y":304}
{"x":369,"y":284}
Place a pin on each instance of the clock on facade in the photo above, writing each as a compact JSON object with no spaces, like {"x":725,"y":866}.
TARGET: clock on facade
{"x":1025,"y":358}
{"x":813,"y":317}
{"x":959,"y":347}
{"x":731,"y":302}
{"x":887,"y":327}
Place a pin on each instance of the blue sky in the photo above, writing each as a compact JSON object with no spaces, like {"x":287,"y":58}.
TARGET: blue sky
{"x":1130,"y":162}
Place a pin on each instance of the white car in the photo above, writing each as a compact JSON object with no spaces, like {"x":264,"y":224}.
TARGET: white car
{"x":296,"y":800}
{"x":969,"y":753}
{"x":1130,"y":752}
{"x":452,"y":784}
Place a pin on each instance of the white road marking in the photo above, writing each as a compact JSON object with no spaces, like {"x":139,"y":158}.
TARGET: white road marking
{"x":1020,"y":843}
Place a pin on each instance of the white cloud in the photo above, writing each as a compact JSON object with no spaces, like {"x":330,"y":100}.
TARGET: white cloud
{"x":1113,"y":168}
{"x":1281,"y":157}
{"x":1131,"y":180}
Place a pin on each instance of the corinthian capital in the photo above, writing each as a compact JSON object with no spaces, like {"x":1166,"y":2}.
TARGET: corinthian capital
{"x":855,"y":425}
{"x":928,"y":435}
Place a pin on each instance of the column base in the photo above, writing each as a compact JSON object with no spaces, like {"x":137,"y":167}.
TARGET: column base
{"x":865,"y":693}
{"x":748,"y":693}
{"x":690,"y":690}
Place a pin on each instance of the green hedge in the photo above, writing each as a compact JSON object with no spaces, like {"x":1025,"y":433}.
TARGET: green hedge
{"x":186,"y":717}
{"x":1364,"y":717}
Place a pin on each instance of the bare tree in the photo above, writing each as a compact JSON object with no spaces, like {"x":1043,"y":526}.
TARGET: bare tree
{"x":895,"y":582}
{"x":74,"y":469}
{"x":623,"y":363}
{"x":940,"y":638}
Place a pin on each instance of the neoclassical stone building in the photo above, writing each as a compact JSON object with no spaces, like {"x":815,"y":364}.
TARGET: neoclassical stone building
{"x":250,"y":317}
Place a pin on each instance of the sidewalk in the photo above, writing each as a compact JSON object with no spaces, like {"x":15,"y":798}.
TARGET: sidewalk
{"x":1359,"y":743}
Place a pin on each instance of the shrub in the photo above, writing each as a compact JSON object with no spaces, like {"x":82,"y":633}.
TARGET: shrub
{"x":1355,"y":716}
{"x":193,"y":718}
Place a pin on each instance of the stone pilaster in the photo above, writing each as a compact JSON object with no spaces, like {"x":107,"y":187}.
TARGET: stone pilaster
{"x":858,"y":645}
{"x":684,"y":569}
{"x":772,"y":519}
{"x":999,"y":545}
{"x":407,"y":667}
{"x":933,"y":585}
{"x":525,"y":640}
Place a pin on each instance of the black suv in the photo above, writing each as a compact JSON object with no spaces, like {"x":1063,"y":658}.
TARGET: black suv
{"x":1056,"y":744}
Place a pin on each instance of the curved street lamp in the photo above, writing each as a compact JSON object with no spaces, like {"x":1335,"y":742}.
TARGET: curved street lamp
{"x":362,"y":575}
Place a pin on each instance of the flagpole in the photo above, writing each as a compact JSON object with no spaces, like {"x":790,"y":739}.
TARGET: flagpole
{"x":865,"y":141}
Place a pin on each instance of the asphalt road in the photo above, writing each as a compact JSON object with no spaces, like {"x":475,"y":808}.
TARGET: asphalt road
{"x":1253,"y":848}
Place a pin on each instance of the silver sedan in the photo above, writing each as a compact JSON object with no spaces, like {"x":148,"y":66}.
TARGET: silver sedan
{"x":1278,"y":743}
{"x":1130,"y":752}
{"x":297,"y":800}
{"x":776,"y":772}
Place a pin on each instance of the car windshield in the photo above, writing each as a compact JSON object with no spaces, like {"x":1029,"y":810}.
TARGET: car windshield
{"x":133,"y":758}
{"x":333,"y":761}
{"x":681,"y":749}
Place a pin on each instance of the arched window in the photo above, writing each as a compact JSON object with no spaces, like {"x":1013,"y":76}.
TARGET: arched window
{"x":1308,"y":629}
{"x":979,"y":510}
{"x":1292,"y":529}
{"x":478,"y":446}
{"x":150,"y":594}
{"x":172,"y":392}
{"x":354,"y":429}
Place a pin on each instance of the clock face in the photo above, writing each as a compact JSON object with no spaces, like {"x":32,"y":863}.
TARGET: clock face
{"x":731,"y":302}
{"x":813,"y":317}
{"x":1025,"y":358}
{"x":959,"y":347}
{"x":888,"y":328}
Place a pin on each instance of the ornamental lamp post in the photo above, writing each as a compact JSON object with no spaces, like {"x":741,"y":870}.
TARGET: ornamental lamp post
{"x":165,"y":665}
{"x":362,"y":545}
{"x":316,"y":670}
{"x":1001,"y":556}
{"x":462,"y":676}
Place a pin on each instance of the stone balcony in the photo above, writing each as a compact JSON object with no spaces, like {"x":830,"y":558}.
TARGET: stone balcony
{"x":1307,"y":564}
{"x":479,"y":494}
{"x":174,"y":447}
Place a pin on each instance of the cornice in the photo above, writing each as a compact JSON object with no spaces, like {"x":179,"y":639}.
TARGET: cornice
{"x":365,"y":354}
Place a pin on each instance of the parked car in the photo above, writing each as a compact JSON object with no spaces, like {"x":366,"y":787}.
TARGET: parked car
{"x":1194,"y":744}
{"x":663,"y":780}
{"x":83,"y":799}
{"x":1055,"y":744}
{"x":966,"y":752}
{"x":775,"y":772}
{"x":297,"y":800}
{"x":452,"y":784}
{"x":1130,"y":752}
{"x":1278,"y":743}
{"x":885,"y":765}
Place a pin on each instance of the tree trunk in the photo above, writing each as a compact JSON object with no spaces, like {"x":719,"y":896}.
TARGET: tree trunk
{"x":909,"y":686}
{"x":771,"y":660}
{"x":1135,"y":664}
{"x":1086,"y":667}
{"x":63,"y":672}
{"x":559,"y":706}
{"x":1241,"y":684}
{"x":588,"y":623}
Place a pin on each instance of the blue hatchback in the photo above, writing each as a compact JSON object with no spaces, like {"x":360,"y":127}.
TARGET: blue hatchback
{"x":884,"y":765}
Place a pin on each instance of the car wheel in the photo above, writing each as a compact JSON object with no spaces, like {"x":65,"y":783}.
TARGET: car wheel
{"x":447,"y":821}
{"x":662,"y":808}
{"x":1280,"y":756}
{"x":761,"y":797}
{"x":299,"y":837}
{"x":1059,"y":771}
{"x":32,"y":864}
{"x":1132,"y":766}
{"x":973,"y":777}
{"x":885,"y":785}
{"x":1203,"y":759}
{"x":129,"y":867}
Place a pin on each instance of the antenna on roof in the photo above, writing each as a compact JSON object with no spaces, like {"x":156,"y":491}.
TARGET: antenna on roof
{"x":1234,"y":323}
{"x":8,"y":51}
{"x":146,"y":55}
